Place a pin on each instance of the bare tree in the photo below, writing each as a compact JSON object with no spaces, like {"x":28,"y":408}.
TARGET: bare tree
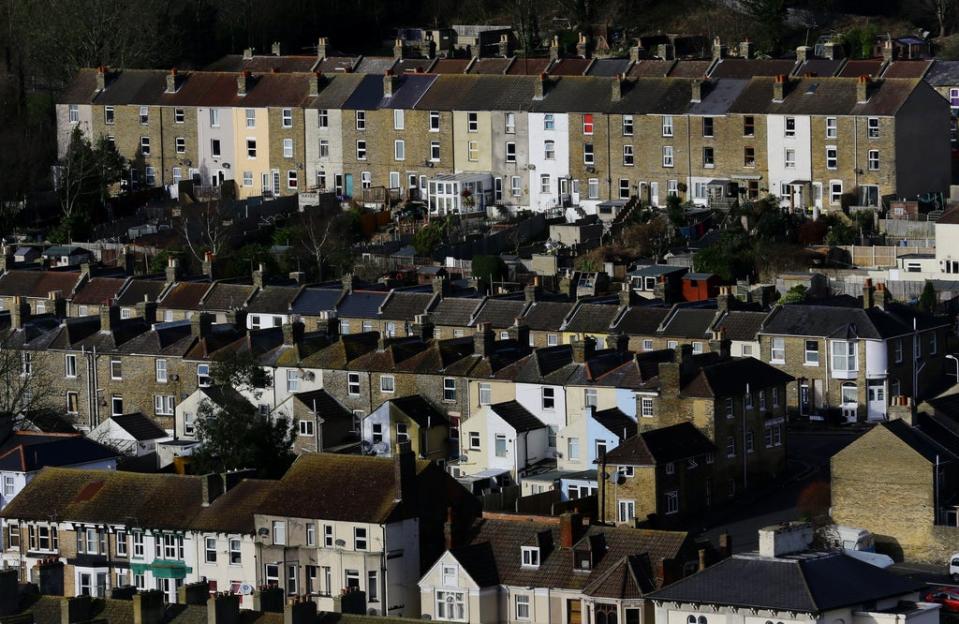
{"x":205,"y":229}
{"x":25,"y":383}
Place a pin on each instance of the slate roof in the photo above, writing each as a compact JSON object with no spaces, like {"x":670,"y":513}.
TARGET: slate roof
{"x":569,"y":67}
{"x":920,"y":441}
{"x":731,"y":377}
{"x":861,"y":67}
{"x":324,"y":404}
{"x":449,"y":66}
{"x":223,"y":296}
{"x":718,"y":96}
{"x":844,"y":322}
{"x":748,"y":68}
{"x":408,"y":91}
{"x":363,"y":304}
{"x":273,"y":300}
{"x":528,"y":66}
{"x":547,"y":315}
{"x":233,"y":511}
{"x":374,"y":65}
{"x":661,"y":446}
{"x":517,"y":416}
{"x":491,"y":65}
{"x":805,"y":584}
{"x":943,"y":73}
{"x":488,"y":92}
{"x":690,"y":68}
{"x":137,"y":289}
{"x":741,"y":324}
{"x":262,"y":63}
{"x":819,"y":67}
{"x":630,"y":579}
{"x":98,"y":290}
{"x":334,"y":90}
{"x":907,"y":69}
{"x":609,"y":67}
{"x":28,"y":451}
{"x":652,"y":68}
{"x":689,"y":323}
{"x":419,"y":410}
{"x":617,"y":422}
{"x":37,"y":284}
{"x":822,"y":96}
{"x":405,"y":305}
{"x":500,"y":313}
{"x":139,"y":426}
{"x":455,"y":311}
{"x":641,"y":320}
{"x":312,"y":301}
{"x":592,"y":318}
{"x":492,"y":554}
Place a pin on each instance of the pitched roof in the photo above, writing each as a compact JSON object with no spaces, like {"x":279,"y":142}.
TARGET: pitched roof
{"x":845,"y":322}
{"x":907,"y":68}
{"x":517,"y":416}
{"x":616,"y":422}
{"x":37,"y":284}
{"x":592,"y":318}
{"x":488,"y":92}
{"x":137,"y":289}
{"x":689,"y":323}
{"x":98,"y":290}
{"x":660,"y":446}
{"x":732,"y":377}
{"x":824,"y":96}
{"x":919,"y":440}
{"x":741,"y":324}
{"x":492,"y":555}
{"x":273,"y":300}
{"x":28,"y":451}
{"x":184,"y":296}
{"x":943,"y":73}
{"x":405,"y":305}
{"x":139,"y":426}
{"x":491,"y":65}
{"x":455,"y":311}
{"x":547,"y":315}
{"x":748,"y":68}
{"x":641,"y":320}
{"x":363,"y":304}
{"x":224,"y":296}
{"x":500,"y":313}
{"x":802,"y":583}
{"x":419,"y":410}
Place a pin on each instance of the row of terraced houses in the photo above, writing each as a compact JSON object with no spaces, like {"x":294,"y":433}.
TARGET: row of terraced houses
{"x":527,"y":133}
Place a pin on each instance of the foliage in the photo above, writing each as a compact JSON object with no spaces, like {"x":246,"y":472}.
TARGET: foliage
{"x":158,"y":263}
{"x":814,"y":500}
{"x":841,"y":233}
{"x":675,"y":211}
{"x":20,"y":393}
{"x":928,"y":298}
{"x":771,"y":15}
{"x":234,"y":434}
{"x":489,"y":268}
{"x":430,"y":236}
{"x":812,"y":232}
{"x":730,"y":258}
{"x":85,"y":174}
{"x":650,"y":239}
{"x":796,"y":294}
{"x":860,"y":40}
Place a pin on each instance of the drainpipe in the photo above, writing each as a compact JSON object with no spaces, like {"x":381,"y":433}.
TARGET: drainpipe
{"x":745,"y":452}
{"x":384,"y":586}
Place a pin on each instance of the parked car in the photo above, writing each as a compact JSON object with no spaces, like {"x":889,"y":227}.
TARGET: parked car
{"x":947,"y":597}
{"x":954,"y":567}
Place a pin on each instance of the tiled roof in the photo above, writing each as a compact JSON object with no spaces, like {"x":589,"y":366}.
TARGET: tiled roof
{"x":802,"y":584}
{"x":98,"y":290}
{"x":312,"y":301}
{"x":651,"y":68}
{"x":491,"y":65}
{"x":335,"y":89}
{"x":184,"y":296}
{"x":139,"y":426}
{"x":492,"y":554}
{"x":689,"y":69}
{"x":856,"y":68}
{"x":907,"y":69}
{"x":273,"y":300}
{"x":517,"y":416}
{"x":547,"y":315}
{"x":609,"y":67}
{"x":822,"y":96}
{"x":641,"y":320}
{"x":630,"y":578}
{"x":263,"y":63}
{"x":374,"y":65}
{"x":362,"y":304}
{"x":37,"y":283}
{"x":478,"y":92}
{"x":689,"y":323}
{"x":528,"y":66}
{"x":569,"y":67}
{"x":845,"y":322}
{"x":819,"y":67}
{"x":592,"y":318}
{"x":748,"y":68}
{"x":450,"y":66}
{"x":661,"y":446}
{"x":943,"y":73}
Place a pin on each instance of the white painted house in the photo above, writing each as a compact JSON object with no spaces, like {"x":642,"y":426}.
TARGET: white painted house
{"x":788,"y":144}
{"x":217,"y":156}
{"x":130,"y":434}
{"x":549,"y":178}
{"x":504,"y":437}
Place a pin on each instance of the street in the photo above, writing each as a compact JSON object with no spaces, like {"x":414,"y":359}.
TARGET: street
{"x":808,"y":466}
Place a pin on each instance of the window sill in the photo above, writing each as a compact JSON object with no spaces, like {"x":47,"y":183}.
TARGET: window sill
{"x":777,"y":361}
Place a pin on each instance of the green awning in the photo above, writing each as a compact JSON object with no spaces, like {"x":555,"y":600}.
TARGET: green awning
{"x":162,"y":568}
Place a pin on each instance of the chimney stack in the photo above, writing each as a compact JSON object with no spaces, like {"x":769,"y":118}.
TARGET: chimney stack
{"x":583,"y":349}
{"x":258,"y":276}
{"x":719,"y":50}
{"x":582,"y":46}
{"x":404,"y":471}
{"x":390,"y":82}
{"x":398,"y":49}
{"x":423,"y":327}
{"x":223,"y":609}
{"x":484,"y":339}
{"x":276,"y":48}
{"x":147,"y":310}
{"x":634,"y":53}
{"x":519,"y":332}
{"x":102,"y":78}
{"x":292,"y":333}
{"x":171,"y":81}
{"x":832,"y":50}
{"x":666,"y":51}
{"x":569,"y":528}
{"x":207,"y":265}
{"x":172,"y":268}
{"x":247,"y":54}
{"x":19,"y":313}
{"x":531,"y":292}
{"x":785,"y":539}
{"x":242,"y":82}
{"x":109,"y":317}
{"x":321,"y":46}
{"x":888,"y":52}
{"x":201,"y":324}
{"x":616,"y":93}
{"x":803,"y":53}
{"x":696,"y":95}
{"x":315,"y":79}
{"x":779,"y":88}
{"x":746,"y":49}
{"x":539,"y":87}
{"x":7,"y":258}
{"x":862,"y":89}
{"x":554,"y":48}
{"x":626,"y":295}
{"x":883,"y":298}
{"x":503,"y":46}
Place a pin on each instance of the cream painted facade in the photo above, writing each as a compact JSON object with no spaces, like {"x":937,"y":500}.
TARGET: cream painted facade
{"x":473,"y":149}
{"x":253,"y":174}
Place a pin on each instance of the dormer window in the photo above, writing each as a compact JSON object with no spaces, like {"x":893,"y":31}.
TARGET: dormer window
{"x":530,"y":556}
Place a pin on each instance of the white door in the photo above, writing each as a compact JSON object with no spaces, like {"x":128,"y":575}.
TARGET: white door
{"x":877,"y":400}
{"x":654,"y":193}
{"x":627,"y":511}
{"x":850,"y":402}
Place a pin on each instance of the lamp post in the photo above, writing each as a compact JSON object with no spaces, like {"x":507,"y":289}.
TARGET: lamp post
{"x":956,"y":360}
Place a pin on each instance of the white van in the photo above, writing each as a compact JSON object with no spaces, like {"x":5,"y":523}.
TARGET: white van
{"x":848,"y":538}
{"x":954,"y":567}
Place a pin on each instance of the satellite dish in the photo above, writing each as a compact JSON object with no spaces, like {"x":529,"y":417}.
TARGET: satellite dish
{"x":340,"y":543}
{"x":246,"y":589}
{"x":380,"y":448}
{"x":464,"y":458}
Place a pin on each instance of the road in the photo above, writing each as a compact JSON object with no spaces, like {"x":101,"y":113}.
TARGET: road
{"x":809,"y":454}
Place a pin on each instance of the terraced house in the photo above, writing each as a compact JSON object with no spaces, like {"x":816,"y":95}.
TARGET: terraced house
{"x":568,"y":133}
